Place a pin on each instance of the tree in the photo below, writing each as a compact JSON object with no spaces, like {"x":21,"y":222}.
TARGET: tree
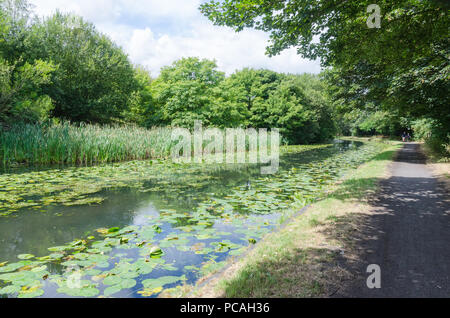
{"x":15,"y":20}
{"x":339,"y":26}
{"x":94,"y":79}
{"x":142,"y":108}
{"x":402,"y":66}
{"x":296,"y":104}
{"x":185,"y":91}
{"x":302,"y":110}
{"x":21,"y":81}
{"x":249,"y":91}
{"x":21,"y":94}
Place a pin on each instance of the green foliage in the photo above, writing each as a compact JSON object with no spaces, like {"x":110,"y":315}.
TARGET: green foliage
{"x":251,"y":89}
{"x":21,"y":90}
{"x":192,"y":89}
{"x":60,"y":67}
{"x":142,"y":107}
{"x":342,"y":29}
{"x":401,"y":67}
{"x":431,"y":131}
{"x":371,"y":121}
{"x":423,"y":128}
{"x":184,"y":92}
{"x":94,"y":79}
{"x":15,"y":20}
{"x":297,"y":104}
{"x":85,"y":144}
{"x":21,"y":81}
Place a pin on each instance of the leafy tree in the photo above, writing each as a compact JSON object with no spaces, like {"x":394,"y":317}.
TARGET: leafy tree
{"x":142,"y":108}
{"x":15,"y":21}
{"x":434,"y":134}
{"x":185,"y":91}
{"x":225,"y":111}
{"x":249,"y":91}
{"x":21,"y":81}
{"x":94,"y":79}
{"x":298,"y":105}
{"x":401,"y":67}
{"x":21,"y":91}
{"x":340,"y":27}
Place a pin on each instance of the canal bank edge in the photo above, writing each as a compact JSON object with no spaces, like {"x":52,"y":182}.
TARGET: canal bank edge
{"x":303,"y":257}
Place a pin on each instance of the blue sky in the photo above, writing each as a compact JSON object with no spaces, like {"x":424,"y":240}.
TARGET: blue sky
{"x":155,"y":33}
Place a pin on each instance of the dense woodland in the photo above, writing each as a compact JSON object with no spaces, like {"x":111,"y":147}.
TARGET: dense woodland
{"x":375,"y":81}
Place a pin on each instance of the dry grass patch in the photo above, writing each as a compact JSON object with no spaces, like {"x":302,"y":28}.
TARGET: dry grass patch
{"x":440,"y":170}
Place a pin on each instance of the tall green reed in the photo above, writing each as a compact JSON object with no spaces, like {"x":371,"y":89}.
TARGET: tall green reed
{"x":65,"y":143}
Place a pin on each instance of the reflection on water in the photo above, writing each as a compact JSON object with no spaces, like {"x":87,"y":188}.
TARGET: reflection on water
{"x":31,"y":231}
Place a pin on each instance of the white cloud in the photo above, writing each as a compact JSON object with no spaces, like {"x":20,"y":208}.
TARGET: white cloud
{"x":145,"y":29}
{"x":99,"y":11}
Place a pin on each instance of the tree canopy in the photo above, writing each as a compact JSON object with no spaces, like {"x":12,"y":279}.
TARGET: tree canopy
{"x":401,"y":67}
{"x":94,"y":78}
{"x":61,"y":65}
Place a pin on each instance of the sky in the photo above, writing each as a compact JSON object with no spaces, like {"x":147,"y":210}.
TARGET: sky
{"x":155,"y":33}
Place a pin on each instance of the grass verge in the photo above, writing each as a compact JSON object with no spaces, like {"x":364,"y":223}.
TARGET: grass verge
{"x":304,"y":258}
{"x":438,"y":164}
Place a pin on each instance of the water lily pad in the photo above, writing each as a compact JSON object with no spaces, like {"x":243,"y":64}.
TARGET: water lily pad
{"x":25,"y":256}
{"x":113,"y":230}
{"x":162,"y":281}
{"x":88,"y":291}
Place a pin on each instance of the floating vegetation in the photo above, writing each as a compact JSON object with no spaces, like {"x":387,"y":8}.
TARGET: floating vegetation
{"x":195,"y":229}
{"x":82,"y":185}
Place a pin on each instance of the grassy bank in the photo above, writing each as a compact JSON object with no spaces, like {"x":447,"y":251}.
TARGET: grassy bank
{"x":302,"y":259}
{"x":85,"y":144}
{"x":439,"y":165}
{"x":436,"y":156}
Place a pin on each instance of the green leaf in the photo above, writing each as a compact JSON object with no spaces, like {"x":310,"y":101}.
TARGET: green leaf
{"x":25,"y":256}
{"x":162,"y":281}
{"x":113,"y":230}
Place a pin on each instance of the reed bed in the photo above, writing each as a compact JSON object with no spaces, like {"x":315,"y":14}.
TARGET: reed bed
{"x":65,"y":143}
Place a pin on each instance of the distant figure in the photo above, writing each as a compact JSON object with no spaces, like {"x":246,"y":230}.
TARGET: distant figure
{"x":404,"y":136}
{"x":408,"y":137}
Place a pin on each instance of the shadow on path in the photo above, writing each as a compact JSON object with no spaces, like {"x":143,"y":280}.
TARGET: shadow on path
{"x":406,"y":233}
{"x":408,"y":236}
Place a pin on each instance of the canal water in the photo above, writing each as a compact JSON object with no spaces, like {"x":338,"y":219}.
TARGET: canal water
{"x":137,"y":229}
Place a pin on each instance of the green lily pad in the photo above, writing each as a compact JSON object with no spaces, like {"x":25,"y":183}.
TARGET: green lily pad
{"x":25,"y":256}
{"x":162,"y":281}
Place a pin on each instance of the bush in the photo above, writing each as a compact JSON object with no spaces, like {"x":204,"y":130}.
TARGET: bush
{"x":433,"y":134}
